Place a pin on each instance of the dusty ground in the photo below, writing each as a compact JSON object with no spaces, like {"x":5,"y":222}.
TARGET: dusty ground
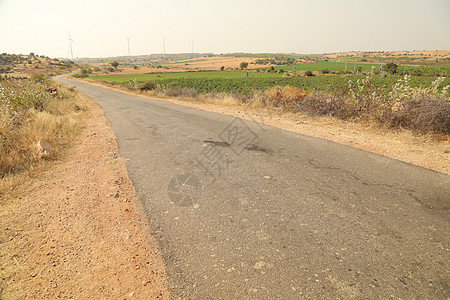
{"x":201,"y":63}
{"x":77,"y":231}
{"x":141,"y":70}
{"x":215,"y":62}
{"x":427,"y":151}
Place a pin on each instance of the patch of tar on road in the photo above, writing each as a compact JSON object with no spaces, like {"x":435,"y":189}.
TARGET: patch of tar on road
{"x":257,"y":148}
{"x":217,"y":143}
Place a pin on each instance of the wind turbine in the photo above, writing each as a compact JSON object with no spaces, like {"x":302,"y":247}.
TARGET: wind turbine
{"x":194,"y":45}
{"x":164,"y":44}
{"x":70,"y":45}
{"x":164,"y":41}
{"x":128,"y":41}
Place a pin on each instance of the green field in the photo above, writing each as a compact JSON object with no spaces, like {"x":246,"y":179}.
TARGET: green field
{"x":238,"y":82}
{"x":418,"y":70}
{"x":329,"y":65}
{"x":427,"y":70}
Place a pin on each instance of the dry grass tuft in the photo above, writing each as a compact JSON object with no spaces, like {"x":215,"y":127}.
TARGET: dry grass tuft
{"x":181,"y":92}
{"x":286,"y":97}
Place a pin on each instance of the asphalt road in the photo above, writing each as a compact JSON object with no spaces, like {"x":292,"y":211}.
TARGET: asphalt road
{"x":247,"y":211}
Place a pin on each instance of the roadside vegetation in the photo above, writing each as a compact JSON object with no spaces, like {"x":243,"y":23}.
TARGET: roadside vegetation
{"x":423,"y":107}
{"x":38,"y":121}
{"x":390,"y":91}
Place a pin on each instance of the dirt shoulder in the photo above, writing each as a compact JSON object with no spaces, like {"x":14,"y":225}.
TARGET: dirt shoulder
{"x":77,"y":231}
{"x":428,"y":151}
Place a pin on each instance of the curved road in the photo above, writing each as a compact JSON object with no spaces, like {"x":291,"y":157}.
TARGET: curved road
{"x":247,"y":211}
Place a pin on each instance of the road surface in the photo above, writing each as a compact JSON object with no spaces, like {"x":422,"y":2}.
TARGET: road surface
{"x":246,"y":211}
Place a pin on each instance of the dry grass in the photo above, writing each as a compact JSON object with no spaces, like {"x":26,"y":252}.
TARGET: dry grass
{"x":285,"y":97}
{"x":57,"y":122}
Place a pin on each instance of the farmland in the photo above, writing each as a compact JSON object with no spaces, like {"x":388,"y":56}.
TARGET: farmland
{"x":184,"y":75}
{"x":331,"y":66}
{"x":238,"y":82}
{"x":336,"y":66}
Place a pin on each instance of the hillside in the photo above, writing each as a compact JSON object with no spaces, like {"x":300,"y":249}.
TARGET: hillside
{"x":19,"y":65}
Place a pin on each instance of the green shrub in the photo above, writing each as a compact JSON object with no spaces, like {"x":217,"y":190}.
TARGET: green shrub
{"x":147,"y":86}
{"x":243,"y":65}
{"x":115,"y":64}
{"x":40,"y":78}
{"x":391,"y":68}
{"x":84,"y":73}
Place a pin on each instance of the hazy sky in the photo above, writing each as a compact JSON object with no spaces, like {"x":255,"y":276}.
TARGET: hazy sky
{"x":100,"y":27}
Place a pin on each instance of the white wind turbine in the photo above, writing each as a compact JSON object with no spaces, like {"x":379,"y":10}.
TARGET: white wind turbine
{"x":164,"y":41}
{"x":128,"y":42}
{"x":164,"y":44}
{"x":70,"y":45}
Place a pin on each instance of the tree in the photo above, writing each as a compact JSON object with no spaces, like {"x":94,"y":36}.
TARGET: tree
{"x":309,"y":73}
{"x":115,"y":64}
{"x":391,"y":68}
{"x":244,"y":65}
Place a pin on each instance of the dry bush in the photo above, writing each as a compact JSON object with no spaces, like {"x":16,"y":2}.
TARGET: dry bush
{"x":424,"y":114}
{"x":328,"y":105}
{"x":181,"y":92}
{"x":228,"y":100}
{"x":286,"y":97}
{"x":257,"y":100}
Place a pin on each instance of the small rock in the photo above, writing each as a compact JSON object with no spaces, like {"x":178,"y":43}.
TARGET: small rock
{"x":43,"y":149}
